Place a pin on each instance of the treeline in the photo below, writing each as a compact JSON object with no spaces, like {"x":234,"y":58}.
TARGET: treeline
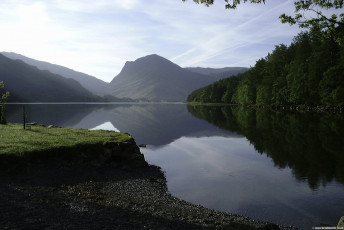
{"x":308,"y":143}
{"x":308,"y":72}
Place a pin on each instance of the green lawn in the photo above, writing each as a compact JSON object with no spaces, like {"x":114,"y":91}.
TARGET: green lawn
{"x":14,"y":140}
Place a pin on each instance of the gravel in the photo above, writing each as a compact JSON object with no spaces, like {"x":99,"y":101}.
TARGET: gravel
{"x":69,"y":195}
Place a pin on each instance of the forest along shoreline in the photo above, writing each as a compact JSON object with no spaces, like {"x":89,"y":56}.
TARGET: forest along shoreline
{"x":292,"y":75}
{"x":330,"y":109}
{"x":105,"y":184}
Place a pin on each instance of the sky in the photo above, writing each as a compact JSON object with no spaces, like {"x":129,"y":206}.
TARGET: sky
{"x":98,"y":37}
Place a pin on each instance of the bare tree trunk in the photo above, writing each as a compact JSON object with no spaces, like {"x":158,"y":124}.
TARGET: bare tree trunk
{"x":2,"y":114}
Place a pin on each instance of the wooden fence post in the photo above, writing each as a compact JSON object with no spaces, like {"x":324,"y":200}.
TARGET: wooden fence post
{"x":24,"y":120}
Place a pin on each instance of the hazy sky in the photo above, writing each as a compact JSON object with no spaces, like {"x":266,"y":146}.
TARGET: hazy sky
{"x":98,"y":37}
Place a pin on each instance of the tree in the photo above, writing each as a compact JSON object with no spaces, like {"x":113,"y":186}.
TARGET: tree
{"x":308,"y":72}
{"x":3,"y":97}
{"x":314,"y":6}
{"x":332,"y":86}
{"x":231,"y":88}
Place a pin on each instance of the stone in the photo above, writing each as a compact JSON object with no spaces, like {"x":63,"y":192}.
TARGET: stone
{"x":137,"y":161}
{"x":126,"y":153}
{"x":270,"y":227}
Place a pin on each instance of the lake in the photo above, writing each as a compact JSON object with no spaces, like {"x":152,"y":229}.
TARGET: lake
{"x":282,"y":167}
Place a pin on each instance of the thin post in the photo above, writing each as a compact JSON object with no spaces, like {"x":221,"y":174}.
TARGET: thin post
{"x":24,"y":121}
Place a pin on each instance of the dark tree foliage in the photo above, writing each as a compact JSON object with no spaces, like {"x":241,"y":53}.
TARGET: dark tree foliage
{"x":220,"y":91}
{"x":3,"y":97}
{"x":308,"y":72}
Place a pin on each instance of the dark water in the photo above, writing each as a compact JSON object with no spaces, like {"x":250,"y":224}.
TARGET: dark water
{"x":281,"y":167}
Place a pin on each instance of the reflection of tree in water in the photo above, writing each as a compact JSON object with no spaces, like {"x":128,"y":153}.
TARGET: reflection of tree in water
{"x":311,"y":144}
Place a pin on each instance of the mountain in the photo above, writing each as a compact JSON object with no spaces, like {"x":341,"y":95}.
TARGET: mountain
{"x":90,"y":83}
{"x":155,"y":78}
{"x":29,"y":84}
{"x":219,"y":73}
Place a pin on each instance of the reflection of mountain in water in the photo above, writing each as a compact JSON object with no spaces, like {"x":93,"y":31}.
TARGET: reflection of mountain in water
{"x":152,"y":124}
{"x":310,"y":144}
{"x":65,"y":115}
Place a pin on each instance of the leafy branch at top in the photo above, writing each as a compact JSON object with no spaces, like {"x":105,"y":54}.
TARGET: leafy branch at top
{"x":318,"y":18}
{"x":308,"y":13}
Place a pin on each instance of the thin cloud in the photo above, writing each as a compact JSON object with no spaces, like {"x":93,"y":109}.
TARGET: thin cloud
{"x":237,"y":37}
{"x":98,"y":37}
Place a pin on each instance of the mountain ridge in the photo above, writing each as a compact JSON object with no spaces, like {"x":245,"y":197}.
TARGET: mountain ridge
{"x":218,"y":73}
{"x":27,"y":83}
{"x":148,"y":78}
{"x":155,"y":78}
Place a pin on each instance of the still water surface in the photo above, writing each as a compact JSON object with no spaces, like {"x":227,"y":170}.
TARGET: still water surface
{"x":286,"y":168}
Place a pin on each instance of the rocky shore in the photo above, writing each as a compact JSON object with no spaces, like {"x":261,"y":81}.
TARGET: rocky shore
{"x":60,"y":194}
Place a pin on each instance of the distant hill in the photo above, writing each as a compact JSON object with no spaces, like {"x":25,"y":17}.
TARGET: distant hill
{"x":219,"y":73}
{"x":29,"y":84}
{"x":90,"y":83}
{"x":155,"y":78}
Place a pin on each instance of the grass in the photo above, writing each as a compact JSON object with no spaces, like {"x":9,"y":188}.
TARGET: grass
{"x":16,"y":141}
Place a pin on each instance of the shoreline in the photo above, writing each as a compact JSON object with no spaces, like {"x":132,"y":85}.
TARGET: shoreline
{"x":71,"y":195}
{"x":289,"y":108}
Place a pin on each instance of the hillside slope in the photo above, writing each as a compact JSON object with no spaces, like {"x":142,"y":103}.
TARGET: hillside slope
{"x":218,"y":73}
{"x":93,"y":84}
{"x":28,"y":83}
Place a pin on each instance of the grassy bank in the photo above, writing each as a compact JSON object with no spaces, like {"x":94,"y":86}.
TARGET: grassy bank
{"x":15,"y":141}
